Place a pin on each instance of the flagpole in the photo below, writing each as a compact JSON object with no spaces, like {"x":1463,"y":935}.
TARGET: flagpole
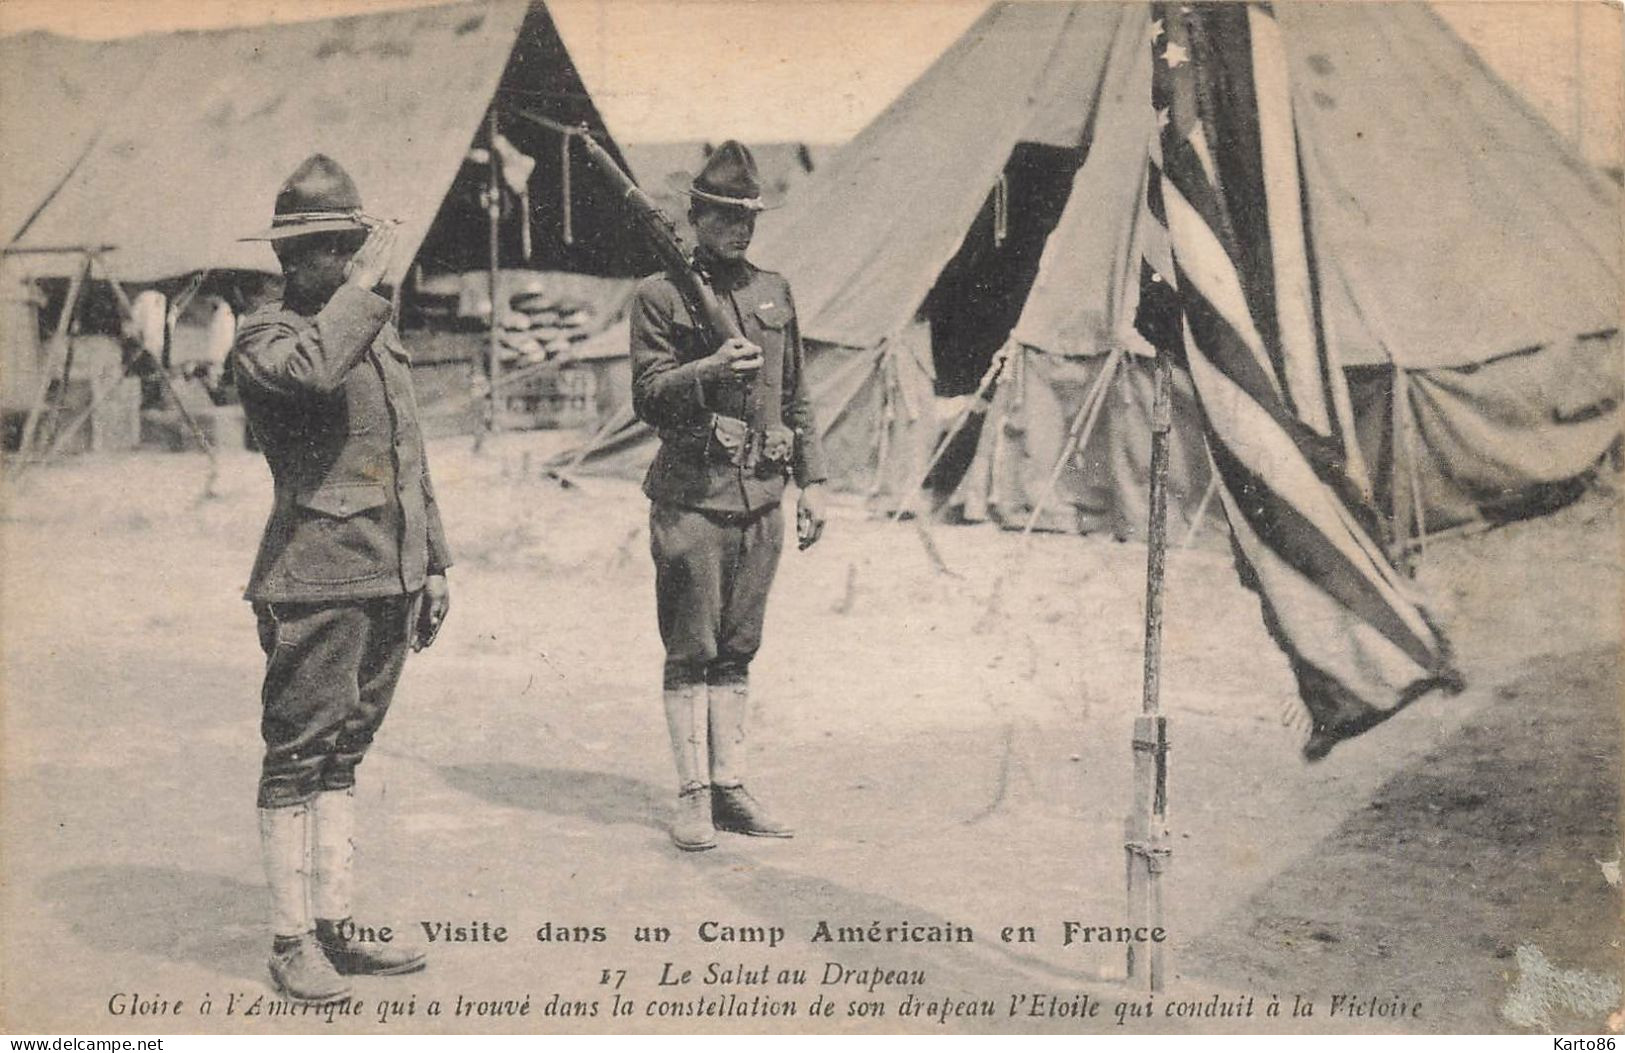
{"x":1147,"y":848}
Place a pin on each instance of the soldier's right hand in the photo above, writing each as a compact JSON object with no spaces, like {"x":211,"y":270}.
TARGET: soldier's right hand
{"x":737,"y":358}
{"x":371,"y":262}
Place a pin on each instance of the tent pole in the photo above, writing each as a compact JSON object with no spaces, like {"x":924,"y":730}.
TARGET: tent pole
{"x":176,"y":309}
{"x":888,"y":417}
{"x":1397,"y":400}
{"x":1083,"y":425}
{"x":982,"y":390}
{"x":55,"y":360}
{"x":93,"y":258}
{"x":1201,"y":509}
{"x":1146,"y":846}
{"x":493,"y":213}
{"x":1418,"y":511}
{"x":561,"y":473}
{"x":127,"y":310}
{"x":565,"y":206}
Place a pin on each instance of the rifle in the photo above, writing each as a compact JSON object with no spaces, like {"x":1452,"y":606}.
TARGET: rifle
{"x":698,"y":297}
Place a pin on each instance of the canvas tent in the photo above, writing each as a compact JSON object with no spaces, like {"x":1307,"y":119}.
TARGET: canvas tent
{"x":172,"y":146}
{"x":1467,"y":269}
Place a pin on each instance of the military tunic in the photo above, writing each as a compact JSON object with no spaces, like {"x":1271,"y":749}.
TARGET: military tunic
{"x":354,"y":531}
{"x":716,"y":483}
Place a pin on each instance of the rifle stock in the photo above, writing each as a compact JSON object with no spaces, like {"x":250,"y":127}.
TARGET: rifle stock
{"x":668,"y":244}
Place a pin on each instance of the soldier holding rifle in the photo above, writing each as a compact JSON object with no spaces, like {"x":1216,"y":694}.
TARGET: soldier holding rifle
{"x":735,"y":423}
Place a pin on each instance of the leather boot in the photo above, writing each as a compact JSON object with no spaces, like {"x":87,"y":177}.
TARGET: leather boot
{"x":298,"y":968}
{"x":733,"y":809}
{"x":332,"y":855}
{"x":685,"y":720}
{"x":352,"y":957}
{"x":303,"y":973}
{"x":691,"y":828}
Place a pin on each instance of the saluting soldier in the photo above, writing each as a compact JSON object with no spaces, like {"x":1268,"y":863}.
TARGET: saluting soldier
{"x":735,"y":423}
{"x":351,"y":568}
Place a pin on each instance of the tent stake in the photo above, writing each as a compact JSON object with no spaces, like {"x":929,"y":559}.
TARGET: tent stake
{"x":1146,"y":847}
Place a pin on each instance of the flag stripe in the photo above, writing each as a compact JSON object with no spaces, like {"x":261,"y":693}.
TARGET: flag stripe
{"x":1266,"y":452}
{"x":1317,"y":556}
{"x":1302,"y":367}
{"x":1224,"y":113}
{"x":1243,"y":281}
{"x":1342,"y":644}
{"x":1204,"y":266}
{"x":1153,"y":194}
{"x":1229,"y":354}
{"x":1181,"y":156}
{"x":1248,"y":425}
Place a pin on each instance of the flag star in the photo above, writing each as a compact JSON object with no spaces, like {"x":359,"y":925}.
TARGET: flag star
{"x":1175,"y":55}
{"x":1156,"y":30}
{"x":1162,"y":117}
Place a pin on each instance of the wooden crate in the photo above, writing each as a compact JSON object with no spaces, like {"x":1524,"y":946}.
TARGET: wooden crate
{"x":565,"y":397}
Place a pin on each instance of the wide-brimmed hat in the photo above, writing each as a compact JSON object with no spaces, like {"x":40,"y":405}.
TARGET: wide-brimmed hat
{"x":729,"y":178}
{"x":320,"y":197}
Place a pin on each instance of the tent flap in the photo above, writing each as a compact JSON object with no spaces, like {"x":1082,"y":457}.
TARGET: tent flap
{"x":1486,"y":438}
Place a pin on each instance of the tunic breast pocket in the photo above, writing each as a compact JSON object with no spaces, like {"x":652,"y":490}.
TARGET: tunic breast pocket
{"x":772,"y":326}
{"x":773,"y":317}
{"x":341,"y":535}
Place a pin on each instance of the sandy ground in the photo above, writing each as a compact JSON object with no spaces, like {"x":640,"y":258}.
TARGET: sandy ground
{"x":953,"y":748}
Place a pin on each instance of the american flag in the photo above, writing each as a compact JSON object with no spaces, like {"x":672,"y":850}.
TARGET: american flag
{"x":1235,"y":302}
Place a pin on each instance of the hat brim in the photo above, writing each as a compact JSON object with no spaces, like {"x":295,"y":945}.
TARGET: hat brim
{"x":683,"y":183}
{"x":749,"y":204}
{"x":337,"y":224}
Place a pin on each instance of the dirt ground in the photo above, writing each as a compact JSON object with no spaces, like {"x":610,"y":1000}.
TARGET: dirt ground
{"x":954,"y":749}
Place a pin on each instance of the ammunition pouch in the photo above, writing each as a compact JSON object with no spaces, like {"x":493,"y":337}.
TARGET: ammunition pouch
{"x":778,"y":444}
{"x":731,"y":442}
